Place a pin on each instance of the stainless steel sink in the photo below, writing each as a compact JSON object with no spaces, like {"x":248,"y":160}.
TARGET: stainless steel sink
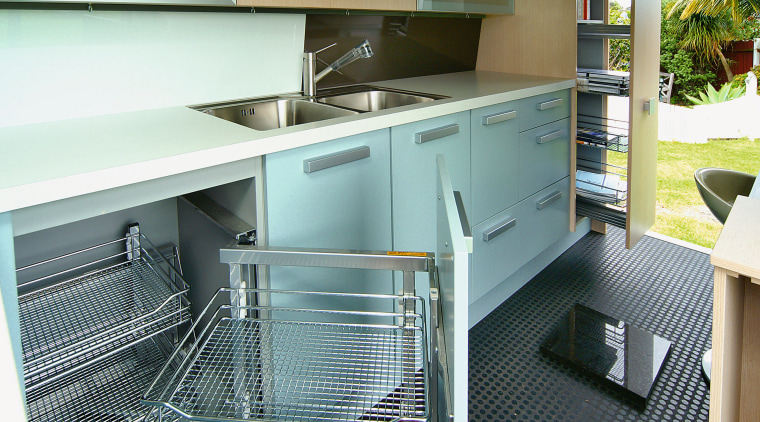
{"x":274,"y":114}
{"x":368,"y":98}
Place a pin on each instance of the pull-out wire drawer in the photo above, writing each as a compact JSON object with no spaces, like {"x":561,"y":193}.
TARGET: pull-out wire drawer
{"x":283,"y":355}
{"x":296,"y":364}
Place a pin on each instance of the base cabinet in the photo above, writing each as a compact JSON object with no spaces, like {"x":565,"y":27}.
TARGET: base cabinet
{"x":520,"y":184}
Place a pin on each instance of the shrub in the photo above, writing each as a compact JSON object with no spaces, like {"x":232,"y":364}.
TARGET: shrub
{"x":689,"y":77}
{"x":711,"y":96}
{"x":739,"y":79}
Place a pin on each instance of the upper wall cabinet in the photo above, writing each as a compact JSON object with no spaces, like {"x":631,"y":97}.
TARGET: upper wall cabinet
{"x":502,"y":7}
{"x":406,"y":5}
{"x":163,"y":2}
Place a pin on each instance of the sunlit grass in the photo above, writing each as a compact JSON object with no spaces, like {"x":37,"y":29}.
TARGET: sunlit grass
{"x":681,"y":213}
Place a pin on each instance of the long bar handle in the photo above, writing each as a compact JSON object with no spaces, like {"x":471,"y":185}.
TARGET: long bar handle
{"x":466,"y":231}
{"x":499,"y":117}
{"x":549,"y":136}
{"x":546,"y":105}
{"x":437,"y":133}
{"x":499,"y":228}
{"x":310,"y":165}
{"x":548,"y":200}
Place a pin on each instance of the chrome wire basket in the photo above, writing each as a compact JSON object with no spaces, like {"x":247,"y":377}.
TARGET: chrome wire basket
{"x":277,"y":362}
{"x":85,"y":314}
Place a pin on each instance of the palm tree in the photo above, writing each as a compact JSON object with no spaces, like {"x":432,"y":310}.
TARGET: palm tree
{"x":740,"y":9}
{"x":705,"y":34}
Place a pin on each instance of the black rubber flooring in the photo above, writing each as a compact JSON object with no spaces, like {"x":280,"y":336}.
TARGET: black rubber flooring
{"x":657,"y":286}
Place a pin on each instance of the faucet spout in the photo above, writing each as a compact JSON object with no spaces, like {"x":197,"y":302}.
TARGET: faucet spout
{"x":361,"y":51}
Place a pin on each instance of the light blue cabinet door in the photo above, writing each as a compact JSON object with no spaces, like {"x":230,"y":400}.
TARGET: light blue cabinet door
{"x":495,"y":159}
{"x":547,"y":217}
{"x":414,"y":149}
{"x":335,"y":194}
{"x":544,"y":156}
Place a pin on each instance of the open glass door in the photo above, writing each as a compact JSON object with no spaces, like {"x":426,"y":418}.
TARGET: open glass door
{"x":452,"y":259}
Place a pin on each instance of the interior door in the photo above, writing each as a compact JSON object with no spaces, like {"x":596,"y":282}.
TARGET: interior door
{"x":454,"y":245}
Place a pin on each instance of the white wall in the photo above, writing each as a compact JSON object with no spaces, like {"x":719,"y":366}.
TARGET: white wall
{"x":57,"y":65}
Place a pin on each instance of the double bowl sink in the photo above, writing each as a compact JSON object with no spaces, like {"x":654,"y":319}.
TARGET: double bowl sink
{"x":274,"y":113}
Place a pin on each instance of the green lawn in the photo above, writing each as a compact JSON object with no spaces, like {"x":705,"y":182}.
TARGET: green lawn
{"x":681,"y":214}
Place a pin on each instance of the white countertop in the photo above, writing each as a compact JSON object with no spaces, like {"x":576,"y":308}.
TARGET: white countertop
{"x":49,"y":162}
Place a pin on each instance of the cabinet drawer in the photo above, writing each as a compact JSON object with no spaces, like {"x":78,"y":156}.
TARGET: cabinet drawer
{"x":498,"y":249}
{"x":543,"y":109}
{"x":544,"y":156}
{"x":494,"y":158}
{"x":546,"y":220}
{"x":507,"y":241}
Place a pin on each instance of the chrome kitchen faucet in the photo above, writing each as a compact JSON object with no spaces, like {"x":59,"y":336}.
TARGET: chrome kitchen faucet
{"x":310,"y":78}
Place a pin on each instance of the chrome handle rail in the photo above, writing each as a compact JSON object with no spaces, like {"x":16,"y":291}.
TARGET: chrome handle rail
{"x":312,"y":165}
{"x":499,"y":229}
{"x":546,"y":105}
{"x":498,"y":117}
{"x":462,"y":215}
{"x":551,"y":136}
{"x":437,"y":133}
{"x":548,"y":200}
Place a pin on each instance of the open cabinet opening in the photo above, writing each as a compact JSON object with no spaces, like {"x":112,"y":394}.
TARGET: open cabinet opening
{"x":103,"y":301}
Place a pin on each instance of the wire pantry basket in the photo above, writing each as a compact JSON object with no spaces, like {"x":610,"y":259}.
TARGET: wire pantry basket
{"x":261,"y":358}
{"x":84,"y":307}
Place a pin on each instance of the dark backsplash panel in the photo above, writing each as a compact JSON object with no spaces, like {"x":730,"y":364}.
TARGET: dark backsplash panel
{"x":403,"y":46}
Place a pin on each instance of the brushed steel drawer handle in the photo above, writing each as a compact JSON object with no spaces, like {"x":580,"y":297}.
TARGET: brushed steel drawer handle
{"x":499,"y":229}
{"x":548,"y":200}
{"x":546,"y":105}
{"x":549,"y":136}
{"x":499,"y":117}
{"x":437,"y":133}
{"x":310,"y":165}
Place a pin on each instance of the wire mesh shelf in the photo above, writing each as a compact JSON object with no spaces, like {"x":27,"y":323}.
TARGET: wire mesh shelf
{"x":107,"y":391}
{"x":296,"y":366}
{"x":602,"y":132}
{"x":85,"y":315}
{"x":601,"y":182}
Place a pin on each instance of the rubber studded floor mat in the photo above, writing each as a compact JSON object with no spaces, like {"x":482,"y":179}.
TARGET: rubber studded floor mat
{"x":657,"y":286}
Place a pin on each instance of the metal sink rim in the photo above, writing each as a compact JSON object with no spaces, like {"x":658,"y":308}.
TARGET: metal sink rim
{"x":210,"y":107}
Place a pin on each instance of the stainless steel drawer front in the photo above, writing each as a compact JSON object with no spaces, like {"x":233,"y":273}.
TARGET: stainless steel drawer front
{"x":548,"y":200}
{"x":499,"y":117}
{"x":310,"y":165}
{"x":546,"y":105}
{"x":437,"y":133}
{"x":499,"y":229}
{"x":551,"y":136}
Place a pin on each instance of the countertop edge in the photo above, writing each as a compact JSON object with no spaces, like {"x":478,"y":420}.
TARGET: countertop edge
{"x":262,"y":143}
